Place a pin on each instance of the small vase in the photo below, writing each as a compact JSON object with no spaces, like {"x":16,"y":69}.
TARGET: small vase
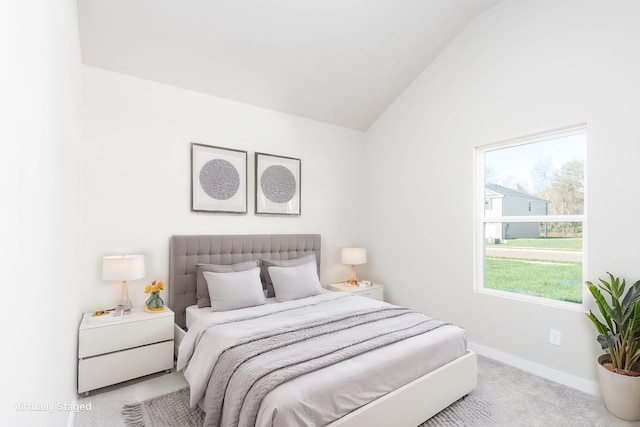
{"x":154,"y":303}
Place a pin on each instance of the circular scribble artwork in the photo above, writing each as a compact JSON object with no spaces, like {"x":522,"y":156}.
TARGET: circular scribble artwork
{"x":278,"y":184}
{"x":219,"y":179}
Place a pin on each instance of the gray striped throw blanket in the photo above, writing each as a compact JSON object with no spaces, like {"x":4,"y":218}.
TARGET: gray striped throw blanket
{"x":247,"y":370}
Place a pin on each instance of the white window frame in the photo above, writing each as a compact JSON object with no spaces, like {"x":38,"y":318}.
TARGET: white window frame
{"x":480,"y":220}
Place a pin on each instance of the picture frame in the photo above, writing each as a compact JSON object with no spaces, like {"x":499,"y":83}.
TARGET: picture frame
{"x":218,"y":179}
{"x":277,"y":185}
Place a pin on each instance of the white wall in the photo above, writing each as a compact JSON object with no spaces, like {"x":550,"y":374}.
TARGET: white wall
{"x":135,"y":176}
{"x":520,"y":68}
{"x":39,"y":83}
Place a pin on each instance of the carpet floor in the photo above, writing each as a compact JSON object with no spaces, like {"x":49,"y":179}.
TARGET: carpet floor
{"x":505,"y":397}
{"x":510,"y":397}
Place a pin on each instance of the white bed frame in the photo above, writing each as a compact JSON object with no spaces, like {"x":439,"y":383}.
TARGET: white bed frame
{"x":413,"y":403}
{"x":421,"y":399}
{"x":410,"y":405}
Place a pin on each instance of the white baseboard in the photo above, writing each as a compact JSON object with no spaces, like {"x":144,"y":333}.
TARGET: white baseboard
{"x":72,"y":415}
{"x":559,"y":377}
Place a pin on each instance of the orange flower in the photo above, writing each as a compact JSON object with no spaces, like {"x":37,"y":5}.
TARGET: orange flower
{"x":155,"y":287}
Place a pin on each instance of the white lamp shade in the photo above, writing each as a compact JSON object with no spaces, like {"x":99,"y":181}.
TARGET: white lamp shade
{"x":354,"y":256}
{"x":123,"y":267}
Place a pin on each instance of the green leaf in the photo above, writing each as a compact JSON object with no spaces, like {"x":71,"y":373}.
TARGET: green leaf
{"x":600,"y":327}
{"x":607,"y":313}
{"x":603,"y":342}
{"x":631,"y":298}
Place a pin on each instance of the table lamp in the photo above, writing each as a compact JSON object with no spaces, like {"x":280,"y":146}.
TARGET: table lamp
{"x":123,"y":267}
{"x":353,"y":257}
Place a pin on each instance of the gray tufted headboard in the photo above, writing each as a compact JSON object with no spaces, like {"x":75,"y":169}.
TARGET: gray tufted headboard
{"x":187,"y":251}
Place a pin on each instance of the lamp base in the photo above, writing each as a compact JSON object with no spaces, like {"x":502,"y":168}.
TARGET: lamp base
{"x":352,"y":281}
{"x":124,"y":310}
{"x":125,"y":301}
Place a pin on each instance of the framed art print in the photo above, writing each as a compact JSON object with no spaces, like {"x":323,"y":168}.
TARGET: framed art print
{"x":218,"y":179}
{"x":277,"y":185}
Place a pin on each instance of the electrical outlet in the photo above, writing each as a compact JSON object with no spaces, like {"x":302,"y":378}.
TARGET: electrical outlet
{"x":555,"y":337}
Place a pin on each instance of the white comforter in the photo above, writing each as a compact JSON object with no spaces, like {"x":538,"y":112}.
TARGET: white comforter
{"x":322,"y":396}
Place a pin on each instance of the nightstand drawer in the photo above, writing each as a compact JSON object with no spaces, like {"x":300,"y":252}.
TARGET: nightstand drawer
{"x":375,"y":291}
{"x":372,"y":293}
{"x":113,"y":368}
{"x":122,"y":335}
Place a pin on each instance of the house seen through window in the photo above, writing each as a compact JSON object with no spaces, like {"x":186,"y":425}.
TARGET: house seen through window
{"x":531,"y":217}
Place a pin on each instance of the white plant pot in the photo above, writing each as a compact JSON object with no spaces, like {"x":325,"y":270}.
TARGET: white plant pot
{"x":621,"y":393}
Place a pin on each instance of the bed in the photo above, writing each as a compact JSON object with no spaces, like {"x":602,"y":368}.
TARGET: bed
{"x":350,"y":387}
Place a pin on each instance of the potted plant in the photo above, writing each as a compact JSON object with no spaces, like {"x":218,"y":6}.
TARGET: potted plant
{"x":619,"y":335}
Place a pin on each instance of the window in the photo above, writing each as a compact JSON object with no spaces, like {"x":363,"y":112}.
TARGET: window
{"x":530,"y":217}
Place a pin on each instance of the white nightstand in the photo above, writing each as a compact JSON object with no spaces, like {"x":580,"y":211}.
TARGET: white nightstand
{"x":375,"y":291}
{"x":112,"y":352}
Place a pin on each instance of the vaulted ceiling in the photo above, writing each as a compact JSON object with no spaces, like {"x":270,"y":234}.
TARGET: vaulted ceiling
{"x":337,"y":61}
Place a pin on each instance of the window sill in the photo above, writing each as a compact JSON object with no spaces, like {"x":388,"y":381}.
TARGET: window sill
{"x":571,"y":306}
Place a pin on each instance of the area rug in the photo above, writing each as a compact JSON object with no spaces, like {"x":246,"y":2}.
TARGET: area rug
{"x":172,"y":410}
{"x":168,"y":410}
{"x":475,"y":409}
{"x":505,"y":396}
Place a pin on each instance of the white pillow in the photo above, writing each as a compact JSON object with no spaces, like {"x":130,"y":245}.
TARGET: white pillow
{"x":229,"y":291}
{"x":295,"y":282}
